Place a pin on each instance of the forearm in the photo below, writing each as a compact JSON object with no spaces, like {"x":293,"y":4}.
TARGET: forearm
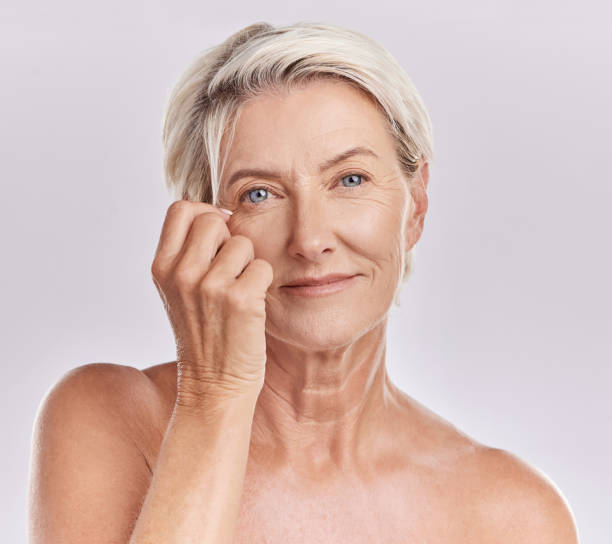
{"x":197,"y":483}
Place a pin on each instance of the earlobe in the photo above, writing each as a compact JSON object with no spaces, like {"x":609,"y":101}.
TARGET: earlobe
{"x":414,"y":230}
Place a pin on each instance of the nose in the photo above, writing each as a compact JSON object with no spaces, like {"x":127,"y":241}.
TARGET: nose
{"x":312,"y":227}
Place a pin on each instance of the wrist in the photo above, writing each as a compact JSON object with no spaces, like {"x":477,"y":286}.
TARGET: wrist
{"x":196,"y":381}
{"x":206,"y":397}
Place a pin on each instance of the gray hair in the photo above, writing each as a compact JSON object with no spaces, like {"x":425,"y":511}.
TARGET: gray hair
{"x":206,"y":101}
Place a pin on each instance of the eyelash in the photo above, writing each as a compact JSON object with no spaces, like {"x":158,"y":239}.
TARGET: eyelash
{"x":243,"y":195}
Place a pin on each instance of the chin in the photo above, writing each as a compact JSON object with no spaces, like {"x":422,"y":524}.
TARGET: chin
{"x":324,"y":330}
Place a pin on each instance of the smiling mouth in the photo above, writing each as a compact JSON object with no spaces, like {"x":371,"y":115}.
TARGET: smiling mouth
{"x":321,"y":289}
{"x":323,"y":280}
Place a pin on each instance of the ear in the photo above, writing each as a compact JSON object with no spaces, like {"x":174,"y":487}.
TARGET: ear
{"x":418,"y":191}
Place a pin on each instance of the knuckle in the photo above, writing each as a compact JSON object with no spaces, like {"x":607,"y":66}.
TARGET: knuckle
{"x":178,"y":206}
{"x":242,"y":239}
{"x":237,"y":300}
{"x":263,"y":264}
{"x":209,"y":287}
{"x":263,"y":267}
{"x":155,"y":268}
{"x":244,"y":242}
{"x":209,"y":221}
{"x":185,"y":276}
{"x":209,"y":216}
{"x":158,"y":270}
{"x":263,"y":271}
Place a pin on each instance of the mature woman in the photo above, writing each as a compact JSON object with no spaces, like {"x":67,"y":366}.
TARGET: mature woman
{"x":278,"y":421}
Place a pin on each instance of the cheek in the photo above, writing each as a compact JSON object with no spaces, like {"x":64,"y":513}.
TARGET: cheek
{"x":260,"y":229}
{"x":375,"y":229}
{"x":370,"y":227}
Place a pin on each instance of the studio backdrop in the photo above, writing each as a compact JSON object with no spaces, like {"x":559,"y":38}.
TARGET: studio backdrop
{"x":504,"y":326}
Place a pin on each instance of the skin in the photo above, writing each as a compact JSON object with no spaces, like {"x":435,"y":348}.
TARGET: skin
{"x":326,"y":388}
{"x":337,"y":452}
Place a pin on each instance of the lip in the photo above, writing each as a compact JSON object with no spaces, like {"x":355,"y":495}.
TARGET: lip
{"x":318,"y":281}
{"x":321,"y":289}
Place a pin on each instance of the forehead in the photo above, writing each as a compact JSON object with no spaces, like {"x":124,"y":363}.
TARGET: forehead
{"x":297,"y":128}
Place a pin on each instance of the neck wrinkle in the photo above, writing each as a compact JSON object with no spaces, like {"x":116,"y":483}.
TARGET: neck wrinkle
{"x":303,"y":422}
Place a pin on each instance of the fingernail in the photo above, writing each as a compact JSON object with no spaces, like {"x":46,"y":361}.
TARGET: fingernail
{"x":226,"y":211}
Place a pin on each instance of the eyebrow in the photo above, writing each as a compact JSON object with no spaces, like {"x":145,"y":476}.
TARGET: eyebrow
{"x":326,"y":165}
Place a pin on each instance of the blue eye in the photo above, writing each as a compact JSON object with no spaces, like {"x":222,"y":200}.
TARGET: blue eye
{"x":247,"y":193}
{"x":352,"y":176}
{"x":357,"y":180}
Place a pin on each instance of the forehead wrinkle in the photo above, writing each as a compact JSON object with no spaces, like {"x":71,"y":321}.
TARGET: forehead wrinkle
{"x":265,"y":173}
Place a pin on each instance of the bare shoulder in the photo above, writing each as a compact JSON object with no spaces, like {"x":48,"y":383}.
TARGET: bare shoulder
{"x":514,"y":501}
{"x":495,"y":495}
{"x":120,"y":395}
{"x":112,"y":378}
{"x":88,"y":468}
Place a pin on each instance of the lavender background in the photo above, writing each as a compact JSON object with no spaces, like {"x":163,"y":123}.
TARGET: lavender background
{"x":504,"y":329}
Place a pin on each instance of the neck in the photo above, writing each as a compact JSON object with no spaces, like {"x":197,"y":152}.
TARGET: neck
{"x":323,"y":411}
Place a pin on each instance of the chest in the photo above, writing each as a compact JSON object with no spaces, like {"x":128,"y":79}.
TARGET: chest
{"x":283,"y":519}
{"x":355,"y":514}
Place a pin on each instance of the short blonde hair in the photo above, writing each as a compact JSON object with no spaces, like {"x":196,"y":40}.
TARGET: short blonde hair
{"x":206,"y":101}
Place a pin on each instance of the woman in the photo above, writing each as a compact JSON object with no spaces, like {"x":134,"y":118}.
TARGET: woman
{"x":278,"y":421}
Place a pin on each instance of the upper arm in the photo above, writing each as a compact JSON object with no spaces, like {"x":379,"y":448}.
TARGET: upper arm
{"x":88,"y":477}
{"x":521,"y":504}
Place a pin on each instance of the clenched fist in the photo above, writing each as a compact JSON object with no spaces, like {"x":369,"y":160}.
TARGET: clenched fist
{"x":214,"y":292}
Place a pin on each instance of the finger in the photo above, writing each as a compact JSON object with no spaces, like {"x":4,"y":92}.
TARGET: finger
{"x":179,"y":217}
{"x":233,"y":257}
{"x":257,"y":276}
{"x":204,"y":240}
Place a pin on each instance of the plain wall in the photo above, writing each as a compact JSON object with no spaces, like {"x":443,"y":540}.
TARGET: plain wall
{"x":504,"y":327}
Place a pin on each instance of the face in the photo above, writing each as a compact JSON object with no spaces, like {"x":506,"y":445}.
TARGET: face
{"x":310,"y":215}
